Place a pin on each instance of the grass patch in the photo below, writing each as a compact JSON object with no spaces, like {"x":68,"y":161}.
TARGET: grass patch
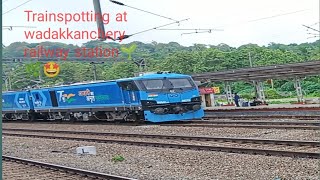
{"x":118,"y":158}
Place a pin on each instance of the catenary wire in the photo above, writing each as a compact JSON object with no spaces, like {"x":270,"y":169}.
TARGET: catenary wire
{"x":16,"y":7}
{"x":154,"y":28}
{"x":122,"y":4}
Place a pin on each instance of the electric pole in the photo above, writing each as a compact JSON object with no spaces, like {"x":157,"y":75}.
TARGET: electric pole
{"x":250,"y":59}
{"x":94,"y":72}
{"x":39,"y":54}
{"x":254,"y":82}
{"x":95,"y":69}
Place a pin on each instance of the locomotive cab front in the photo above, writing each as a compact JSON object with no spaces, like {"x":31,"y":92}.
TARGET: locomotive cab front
{"x":169,"y":97}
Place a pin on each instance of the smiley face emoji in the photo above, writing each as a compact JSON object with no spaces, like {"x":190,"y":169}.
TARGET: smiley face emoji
{"x":51,"y":69}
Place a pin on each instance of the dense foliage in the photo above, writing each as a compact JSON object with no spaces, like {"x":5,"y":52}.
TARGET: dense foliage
{"x":170,"y":57}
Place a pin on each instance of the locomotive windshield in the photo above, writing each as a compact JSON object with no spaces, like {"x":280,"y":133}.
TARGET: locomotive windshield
{"x":153,"y":84}
{"x":168,"y":84}
{"x":180,"y":83}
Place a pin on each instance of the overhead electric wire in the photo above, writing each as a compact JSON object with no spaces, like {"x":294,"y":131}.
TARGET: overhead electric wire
{"x":311,"y":28}
{"x":278,"y":15}
{"x":122,"y":4}
{"x":154,"y":28}
{"x":197,"y":32}
{"x":21,"y":26}
{"x":250,"y":21}
{"x":16,"y":7}
{"x":313,"y":34}
{"x":11,"y":27}
{"x":315,"y":24}
{"x":313,"y":37}
{"x":192,"y":29}
{"x":263,"y":18}
{"x":161,"y":26}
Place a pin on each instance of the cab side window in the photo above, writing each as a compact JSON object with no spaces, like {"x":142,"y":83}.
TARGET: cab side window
{"x":128,"y":86}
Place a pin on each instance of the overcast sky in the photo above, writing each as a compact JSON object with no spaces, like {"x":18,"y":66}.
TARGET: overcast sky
{"x":233,"y":16}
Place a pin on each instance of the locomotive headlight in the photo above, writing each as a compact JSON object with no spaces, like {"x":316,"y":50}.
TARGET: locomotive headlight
{"x":196,"y":107}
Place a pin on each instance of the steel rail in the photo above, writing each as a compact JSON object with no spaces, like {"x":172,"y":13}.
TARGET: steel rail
{"x":288,"y":109}
{"x":230,"y":116}
{"x":184,"y":146}
{"x":248,"y":116}
{"x":213,"y":121}
{"x":65,"y":168}
{"x":245,"y":126}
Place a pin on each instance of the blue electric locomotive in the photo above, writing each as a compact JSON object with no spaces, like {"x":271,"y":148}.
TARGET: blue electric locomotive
{"x":156,"y":97}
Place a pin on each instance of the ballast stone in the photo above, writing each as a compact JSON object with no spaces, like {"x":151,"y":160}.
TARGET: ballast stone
{"x":87,"y":150}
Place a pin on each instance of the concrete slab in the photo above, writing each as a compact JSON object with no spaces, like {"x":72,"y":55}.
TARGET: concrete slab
{"x":86,"y":150}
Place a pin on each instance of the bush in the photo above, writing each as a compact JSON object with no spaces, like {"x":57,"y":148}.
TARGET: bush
{"x":311,"y":87}
{"x":272,"y":94}
{"x":241,"y":87}
{"x":117,"y":158}
{"x":247,"y":96}
{"x":316,"y":94}
{"x":288,"y":86}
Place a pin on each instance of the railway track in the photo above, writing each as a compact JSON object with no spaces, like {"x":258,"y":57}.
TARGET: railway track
{"x":18,"y":168}
{"x":222,"y":144}
{"x":305,"y":125}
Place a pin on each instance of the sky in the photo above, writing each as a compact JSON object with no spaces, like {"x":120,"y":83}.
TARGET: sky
{"x":239,"y":22}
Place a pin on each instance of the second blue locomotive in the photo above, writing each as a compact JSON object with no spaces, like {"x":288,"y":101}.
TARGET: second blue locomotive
{"x":156,"y":97}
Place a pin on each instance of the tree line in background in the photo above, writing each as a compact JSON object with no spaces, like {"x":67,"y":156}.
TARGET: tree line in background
{"x":172,"y":57}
